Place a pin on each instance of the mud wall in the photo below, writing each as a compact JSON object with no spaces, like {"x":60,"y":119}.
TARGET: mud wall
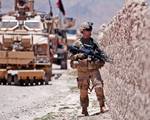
{"x":127,"y":81}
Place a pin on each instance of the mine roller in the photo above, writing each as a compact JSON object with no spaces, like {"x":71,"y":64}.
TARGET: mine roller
{"x":25,"y":57}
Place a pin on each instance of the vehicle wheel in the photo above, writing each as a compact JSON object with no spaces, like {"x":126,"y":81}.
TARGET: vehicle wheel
{"x":42,"y":82}
{"x":16,"y":81}
{"x":48,"y":75}
{"x":31,"y":82}
{"x":9,"y":79}
{"x":46,"y":78}
{"x":27,"y":82}
{"x":63,"y":64}
{"x":21,"y":82}
{"x":4,"y":82}
{"x":37,"y":82}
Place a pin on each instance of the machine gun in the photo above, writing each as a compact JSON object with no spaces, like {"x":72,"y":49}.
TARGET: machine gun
{"x":88,"y":51}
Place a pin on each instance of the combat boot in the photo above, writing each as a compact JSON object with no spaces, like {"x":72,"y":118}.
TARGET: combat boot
{"x":103,"y":109}
{"x":85,"y":112}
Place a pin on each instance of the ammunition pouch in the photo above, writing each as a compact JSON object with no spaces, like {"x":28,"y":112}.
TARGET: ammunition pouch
{"x":83,"y":65}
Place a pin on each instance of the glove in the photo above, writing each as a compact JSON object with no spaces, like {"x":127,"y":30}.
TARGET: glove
{"x":80,"y":56}
{"x":74,"y":64}
{"x":100,"y":63}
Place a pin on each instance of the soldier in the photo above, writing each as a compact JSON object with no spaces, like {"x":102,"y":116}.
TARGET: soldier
{"x":21,"y":3}
{"x":22,"y":7}
{"x":88,"y":69}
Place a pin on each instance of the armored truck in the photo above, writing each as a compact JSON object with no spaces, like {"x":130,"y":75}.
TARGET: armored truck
{"x":24,"y":47}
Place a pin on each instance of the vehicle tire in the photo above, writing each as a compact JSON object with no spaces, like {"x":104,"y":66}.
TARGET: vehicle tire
{"x":21,"y":82}
{"x":37,"y":82}
{"x":16,"y":80}
{"x":47,"y":78}
{"x":4,"y":81}
{"x":48,"y":75}
{"x":41,"y":82}
{"x":27,"y":82}
{"x":63,"y":64}
{"x":9,"y":79}
{"x":46,"y":82}
{"x":32,"y":82}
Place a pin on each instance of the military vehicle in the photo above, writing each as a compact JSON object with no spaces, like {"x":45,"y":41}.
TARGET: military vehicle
{"x":72,"y":36}
{"x":60,"y":48}
{"x":58,"y":31}
{"x":25,"y":49}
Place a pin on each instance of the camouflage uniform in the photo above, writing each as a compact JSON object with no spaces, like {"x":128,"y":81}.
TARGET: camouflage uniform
{"x":88,"y":70}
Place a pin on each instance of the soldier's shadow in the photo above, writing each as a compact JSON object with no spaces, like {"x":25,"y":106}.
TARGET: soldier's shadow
{"x":94,"y":114}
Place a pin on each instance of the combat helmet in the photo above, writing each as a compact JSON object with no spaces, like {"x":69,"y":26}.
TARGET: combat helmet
{"x":22,"y":2}
{"x":86,"y":26}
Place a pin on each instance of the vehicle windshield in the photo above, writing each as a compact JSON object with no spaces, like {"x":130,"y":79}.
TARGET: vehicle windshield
{"x":8,"y":24}
{"x":72,"y":31}
{"x":32,"y":25}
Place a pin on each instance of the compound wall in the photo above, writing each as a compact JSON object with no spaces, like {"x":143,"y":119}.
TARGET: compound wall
{"x":127,"y":81}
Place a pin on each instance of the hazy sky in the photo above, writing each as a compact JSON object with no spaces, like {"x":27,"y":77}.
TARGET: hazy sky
{"x":97,"y":11}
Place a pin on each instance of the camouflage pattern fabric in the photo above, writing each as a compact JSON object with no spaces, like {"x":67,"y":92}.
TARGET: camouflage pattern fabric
{"x":88,"y":70}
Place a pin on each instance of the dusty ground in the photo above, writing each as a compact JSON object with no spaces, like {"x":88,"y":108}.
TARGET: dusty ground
{"x":57,"y":101}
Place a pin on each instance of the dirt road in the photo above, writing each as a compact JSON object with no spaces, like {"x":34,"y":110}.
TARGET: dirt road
{"x":57,"y":101}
